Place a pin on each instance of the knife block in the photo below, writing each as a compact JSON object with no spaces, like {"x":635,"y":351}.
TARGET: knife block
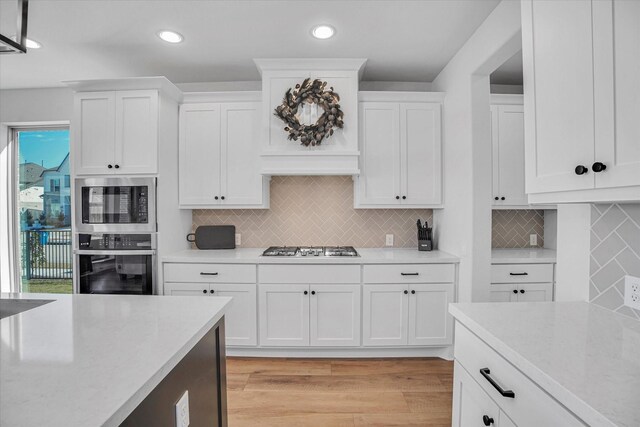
{"x":425,"y":245}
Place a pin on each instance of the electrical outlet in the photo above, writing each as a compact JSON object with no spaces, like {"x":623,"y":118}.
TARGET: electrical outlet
{"x":533,"y":240}
{"x":632,"y":292}
{"x":238,"y":239}
{"x":389,"y":240}
{"x":182,"y":410}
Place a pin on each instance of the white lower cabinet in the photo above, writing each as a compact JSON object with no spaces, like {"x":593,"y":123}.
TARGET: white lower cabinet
{"x":521,"y":283}
{"x":284,"y":315}
{"x":407,"y":314}
{"x":529,"y":292}
{"x":334,"y":315}
{"x":240,"y":319}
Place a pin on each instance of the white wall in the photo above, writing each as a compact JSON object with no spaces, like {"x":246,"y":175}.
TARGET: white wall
{"x":34,"y":105}
{"x":464,"y":226}
{"x":574,"y":251}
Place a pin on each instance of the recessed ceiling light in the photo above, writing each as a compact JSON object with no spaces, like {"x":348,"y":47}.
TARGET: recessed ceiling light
{"x":170,"y":36}
{"x":323,"y":32}
{"x":31,"y":44}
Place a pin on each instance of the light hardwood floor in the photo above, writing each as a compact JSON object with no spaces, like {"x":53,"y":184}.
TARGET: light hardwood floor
{"x":339,"y":392}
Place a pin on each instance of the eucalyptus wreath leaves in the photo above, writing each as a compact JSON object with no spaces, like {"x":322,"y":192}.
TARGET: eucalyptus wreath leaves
{"x":311,"y":92}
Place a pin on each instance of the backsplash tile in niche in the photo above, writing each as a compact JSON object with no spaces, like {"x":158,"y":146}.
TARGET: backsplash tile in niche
{"x":615,"y":252}
{"x":510,"y":228}
{"x":317,"y":210}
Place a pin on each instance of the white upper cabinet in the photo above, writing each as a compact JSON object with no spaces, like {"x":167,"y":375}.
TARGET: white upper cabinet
{"x":400,"y":150}
{"x":507,"y":139}
{"x":219,"y":156}
{"x":116,"y":132}
{"x":582,"y":134}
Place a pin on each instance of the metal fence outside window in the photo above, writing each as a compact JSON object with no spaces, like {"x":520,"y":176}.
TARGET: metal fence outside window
{"x":46,"y":254}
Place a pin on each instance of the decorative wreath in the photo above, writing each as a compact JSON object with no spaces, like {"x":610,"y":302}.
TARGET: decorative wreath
{"x":312,"y":92}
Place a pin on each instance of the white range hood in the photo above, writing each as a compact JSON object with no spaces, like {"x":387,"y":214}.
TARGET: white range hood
{"x":337,"y":155}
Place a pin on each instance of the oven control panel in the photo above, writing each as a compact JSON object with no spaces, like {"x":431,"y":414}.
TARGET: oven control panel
{"x":116,"y":241}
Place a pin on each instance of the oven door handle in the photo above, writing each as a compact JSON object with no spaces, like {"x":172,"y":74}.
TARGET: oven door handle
{"x":114,"y":252}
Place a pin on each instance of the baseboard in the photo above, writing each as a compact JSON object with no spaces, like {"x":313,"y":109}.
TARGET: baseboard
{"x":441,"y":352}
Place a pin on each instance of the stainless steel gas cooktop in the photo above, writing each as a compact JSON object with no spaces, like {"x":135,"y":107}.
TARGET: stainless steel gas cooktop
{"x":310,"y":251}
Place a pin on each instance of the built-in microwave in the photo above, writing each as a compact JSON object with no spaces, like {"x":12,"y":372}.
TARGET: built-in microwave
{"x":117,"y":205}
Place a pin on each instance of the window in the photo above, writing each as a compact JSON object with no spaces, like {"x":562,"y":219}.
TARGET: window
{"x":46,"y":263}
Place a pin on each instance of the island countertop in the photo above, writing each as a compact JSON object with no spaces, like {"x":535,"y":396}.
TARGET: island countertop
{"x":89,"y":360}
{"x":367,"y":256}
{"x":585,"y":356}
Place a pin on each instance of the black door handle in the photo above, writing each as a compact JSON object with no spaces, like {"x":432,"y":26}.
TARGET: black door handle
{"x":305,"y":292}
{"x":519,"y":274}
{"x":202,"y":273}
{"x":404,"y":197}
{"x":222,"y":197}
{"x":397,"y":197}
{"x":212,"y":291}
{"x":313,"y":292}
{"x":216,"y":197}
{"x":496,"y":198}
{"x":598,"y":167}
{"x":410,"y":274}
{"x":204,"y":291}
{"x":487,"y":420}
{"x":502,"y":198}
{"x":406,"y":292}
{"x":117,"y":166}
{"x":486,"y":373}
{"x":581,"y":170}
{"x":109,"y":166}
{"x":522,"y":291}
{"x":515,"y":291}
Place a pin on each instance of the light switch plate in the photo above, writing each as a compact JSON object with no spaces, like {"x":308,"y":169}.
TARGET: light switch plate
{"x":238,"y":239}
{"x":182,"y":410}
{"x":389,"y":240}
{"x":533,"y":240}
{"x":632,"y":292}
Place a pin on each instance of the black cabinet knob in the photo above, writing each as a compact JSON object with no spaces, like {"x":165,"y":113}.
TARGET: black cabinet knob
{"x":406,"y":292}
{"x":397,"y":197}
{"x":598,"y":167}
{"x":515,"y":291}
{"x":110,"y":166}
{"x":581,"y":170}
{"x":117,"y":166}
{"x":502,"y":198}
{"x":522,"y":291}
{"x":212,"y":291}
{"x":222,"y":197}
{"x":305,"y":292}
{"x":413,"y":292}
{"x":313,"y":292}
{"x":216,"y":197}
{"x":404,"y":197}
{"x":487,"y":420}
{"x":496,"y":198}
{"x":204,"y":291}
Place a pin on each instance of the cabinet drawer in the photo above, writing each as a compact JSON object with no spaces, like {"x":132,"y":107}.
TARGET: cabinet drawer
{"x":210,"y":273}
{"x":530,"y":406}
{"x":409,"y":273}
{"x":521,"y":273}
{"x":280,"y":274}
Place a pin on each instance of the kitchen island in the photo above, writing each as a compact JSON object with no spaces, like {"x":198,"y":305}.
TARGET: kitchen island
{"x":108,"y":360}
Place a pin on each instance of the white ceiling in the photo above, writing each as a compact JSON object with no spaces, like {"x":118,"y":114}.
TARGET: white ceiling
{"x":88,"y":39}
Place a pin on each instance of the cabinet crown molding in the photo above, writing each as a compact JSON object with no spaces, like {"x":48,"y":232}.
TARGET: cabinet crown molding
{"x":318,"y":64}
{"x":160,"y":83}
{"x":227,"y":96}
{"x":397,"y":96}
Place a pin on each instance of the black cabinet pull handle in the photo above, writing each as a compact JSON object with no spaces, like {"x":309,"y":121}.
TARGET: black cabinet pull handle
{"x":204,"y":291}
{"x":202,"y":273}
{"x":515,"y":291}
{"x":522,"y":291}
{"x":397,"y":197}
{"x":486,"y":373}
{"x":211,"y":291}
{"x":598,"y":167}
{"x":487,"y":420}
{"x":413,"y":292}
{"x":109,"y":166}
{"x":313,"y":292}
{"x":305,"y":292}
{"x":519,"y":274}
{"x":406,"y":292}
{"x":410,"y":274}
{"x":581,"y":170}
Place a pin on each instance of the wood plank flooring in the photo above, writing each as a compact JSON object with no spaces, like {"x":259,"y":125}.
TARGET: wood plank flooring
{"x":266,"y":392}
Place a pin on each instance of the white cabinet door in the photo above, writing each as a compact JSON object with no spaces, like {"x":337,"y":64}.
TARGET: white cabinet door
{"x":379,"y":180}
{"x":503,"y":292}
{"x":335,"y":315}
{"x":199,"y":158}
{"x":186,"y":289}
{"x":505,"y":421}
{"x":240,"y":324}
{"x":471,"y":405}
{"x":535,"y":292}
{"x":241,"y":181}
{"x":429,"y":320}
{"x":616,"y":38}
{"x":385,"y":315}
{"x":420,"y":154}
{"x":507,"y":134}
{"x":284,"y":315}
{"x":94,"y":133}
{"x":558,"y":94}
{"x":136,"y":127}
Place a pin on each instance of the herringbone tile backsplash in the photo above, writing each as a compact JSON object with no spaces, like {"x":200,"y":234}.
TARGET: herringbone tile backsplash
{"x":511,"y":228}
{"x":317,"y":210}
{"x":615,"y":252}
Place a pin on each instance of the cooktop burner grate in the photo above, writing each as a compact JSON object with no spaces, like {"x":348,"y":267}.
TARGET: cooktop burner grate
{"x":311,"y":251}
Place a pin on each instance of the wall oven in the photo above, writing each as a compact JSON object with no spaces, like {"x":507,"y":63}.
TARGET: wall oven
{"x":115,"y":263}
{"x":116,"y":205}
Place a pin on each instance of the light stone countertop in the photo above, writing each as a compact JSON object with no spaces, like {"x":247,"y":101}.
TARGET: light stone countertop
{"x":523,"y":256}
{"x":585,"y":356}
{"x":367,"y":256}
{"x":89,"y":360}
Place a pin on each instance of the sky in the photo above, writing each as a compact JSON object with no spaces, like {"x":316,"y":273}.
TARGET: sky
{"x":44,"y":147}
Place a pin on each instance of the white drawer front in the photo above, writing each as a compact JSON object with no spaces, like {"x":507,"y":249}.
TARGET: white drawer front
{"x":521,"y":273}
{"x":531,"y":406}
{"x":210,"y":273}
{"x":305,"y":273}
{"x":409,"y":273}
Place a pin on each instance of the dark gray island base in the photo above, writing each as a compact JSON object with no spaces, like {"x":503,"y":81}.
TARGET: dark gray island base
{"x":203,"y":373}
